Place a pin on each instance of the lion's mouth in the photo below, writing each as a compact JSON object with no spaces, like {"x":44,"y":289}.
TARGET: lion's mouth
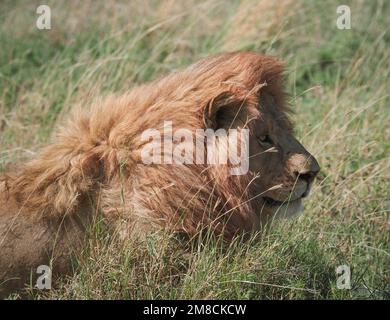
{"x":272,"y":203}
{"x":293,"y":198}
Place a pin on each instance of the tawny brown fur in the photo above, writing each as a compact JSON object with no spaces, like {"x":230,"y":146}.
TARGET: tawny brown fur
{"x":94,"y":164}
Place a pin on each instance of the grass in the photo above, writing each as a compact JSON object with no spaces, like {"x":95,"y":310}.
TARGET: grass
{"x":339,"y":83}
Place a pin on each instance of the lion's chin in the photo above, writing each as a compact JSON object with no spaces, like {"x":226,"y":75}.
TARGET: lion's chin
{"x":288,"y":209}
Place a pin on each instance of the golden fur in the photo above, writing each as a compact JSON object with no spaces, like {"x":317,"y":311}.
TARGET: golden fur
{"x":89,"y":152}
{"x":95,"y":162}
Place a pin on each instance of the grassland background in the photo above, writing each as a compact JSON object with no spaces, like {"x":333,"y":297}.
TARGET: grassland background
{"x":339,"y":84}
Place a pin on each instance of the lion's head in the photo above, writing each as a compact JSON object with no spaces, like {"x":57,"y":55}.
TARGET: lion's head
{"x":281,"y":170}
{"x":230,"y":91}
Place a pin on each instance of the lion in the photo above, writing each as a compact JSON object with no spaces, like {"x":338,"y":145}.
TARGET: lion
{"x":94,"y":167}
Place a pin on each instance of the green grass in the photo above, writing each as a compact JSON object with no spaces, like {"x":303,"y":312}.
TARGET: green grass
{"x":339,"y":83}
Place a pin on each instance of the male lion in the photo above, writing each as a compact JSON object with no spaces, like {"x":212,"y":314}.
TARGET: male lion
{"x":94,"y":166}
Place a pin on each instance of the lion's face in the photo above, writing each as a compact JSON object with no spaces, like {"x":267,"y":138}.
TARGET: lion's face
{"x":282,"y":169}
{"x":285,"y":169}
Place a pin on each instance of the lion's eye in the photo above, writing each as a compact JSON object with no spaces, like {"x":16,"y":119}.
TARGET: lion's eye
{"x":265,"y":140}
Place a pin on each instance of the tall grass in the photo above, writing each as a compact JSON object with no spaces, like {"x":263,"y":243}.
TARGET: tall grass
{"x":339,"y":83}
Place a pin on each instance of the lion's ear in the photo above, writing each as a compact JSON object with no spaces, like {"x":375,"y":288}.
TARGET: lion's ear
{"x":222,"y":106}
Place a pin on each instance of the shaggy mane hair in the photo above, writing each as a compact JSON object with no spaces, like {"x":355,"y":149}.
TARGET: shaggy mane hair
{"x":96,"y":155}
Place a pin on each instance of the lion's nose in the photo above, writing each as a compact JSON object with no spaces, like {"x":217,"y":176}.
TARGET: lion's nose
{"x":306,"y":167}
